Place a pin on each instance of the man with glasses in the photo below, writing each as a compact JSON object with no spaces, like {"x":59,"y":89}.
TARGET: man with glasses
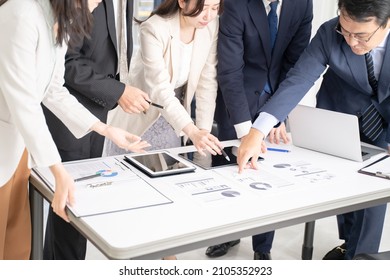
{"x":354,"y":50}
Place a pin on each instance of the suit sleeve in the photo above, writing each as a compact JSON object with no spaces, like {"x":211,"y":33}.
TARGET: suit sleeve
{"x":154,"y":44}
{"x":83,"y":76}
{"x":64,"y":105}
{"x":206,"y":91}
{"x":299,"y":42}
{"x":308,"y":69}
{"x":230,"y":51}
{"x":19,"y":86}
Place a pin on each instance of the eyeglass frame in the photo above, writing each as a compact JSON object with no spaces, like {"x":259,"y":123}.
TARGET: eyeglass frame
{"x":350,"y":34}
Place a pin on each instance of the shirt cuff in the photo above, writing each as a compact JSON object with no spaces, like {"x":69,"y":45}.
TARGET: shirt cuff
{"x":265,"y":122}
{"x":242,"y":129}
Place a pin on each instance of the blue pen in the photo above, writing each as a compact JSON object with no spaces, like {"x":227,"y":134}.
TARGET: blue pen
{"x":278,"y":150}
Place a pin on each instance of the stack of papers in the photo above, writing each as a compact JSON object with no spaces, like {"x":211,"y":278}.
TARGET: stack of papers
{"x":106,"y":185}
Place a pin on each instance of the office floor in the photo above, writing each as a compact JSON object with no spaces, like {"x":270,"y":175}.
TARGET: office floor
{"x":287,"y":244}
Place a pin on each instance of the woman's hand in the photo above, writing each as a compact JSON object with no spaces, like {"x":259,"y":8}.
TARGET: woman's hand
{"x":203,"y":140}
{"x":64,"y":190}
{"x":121,"y":138}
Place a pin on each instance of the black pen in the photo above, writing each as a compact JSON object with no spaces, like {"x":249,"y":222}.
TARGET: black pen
{"x":87,"y":177}
{"x":225,"y":155}
{"x":154,"y":104}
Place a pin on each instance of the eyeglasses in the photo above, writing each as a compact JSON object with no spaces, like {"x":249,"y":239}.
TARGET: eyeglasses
{"x":360,"y":37}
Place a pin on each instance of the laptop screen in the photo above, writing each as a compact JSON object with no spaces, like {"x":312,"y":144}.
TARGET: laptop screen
{"x":326,"y":131}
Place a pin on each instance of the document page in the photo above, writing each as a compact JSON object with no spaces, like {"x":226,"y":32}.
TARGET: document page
{"x":106,"y":185}
{"x":382,"y":166}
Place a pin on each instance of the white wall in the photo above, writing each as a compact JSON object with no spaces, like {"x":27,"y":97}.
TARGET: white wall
{"x":323,"y":11}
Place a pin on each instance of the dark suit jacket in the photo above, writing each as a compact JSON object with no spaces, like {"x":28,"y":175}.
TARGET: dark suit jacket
{"x":90,"y":71}
{"x":245,"y":61}
{"x":345,"y":86}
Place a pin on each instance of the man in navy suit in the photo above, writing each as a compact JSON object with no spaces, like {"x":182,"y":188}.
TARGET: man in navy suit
{"x":91,"y":75}
{"x":250,"y":68}
{"x":340,"y":47}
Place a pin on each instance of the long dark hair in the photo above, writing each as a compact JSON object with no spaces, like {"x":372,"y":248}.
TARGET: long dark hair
{"x":74,"y":20}
{"x":362,"y":10}
{"x":169,"y":7}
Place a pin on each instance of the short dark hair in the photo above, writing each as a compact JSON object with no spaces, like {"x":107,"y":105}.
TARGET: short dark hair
{"x":361,"y":10}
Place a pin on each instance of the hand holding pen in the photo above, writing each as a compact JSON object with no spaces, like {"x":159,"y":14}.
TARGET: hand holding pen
{"x":134,"y":100}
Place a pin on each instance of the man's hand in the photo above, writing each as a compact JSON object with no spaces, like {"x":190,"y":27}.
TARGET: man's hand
{"x":133,"y":100}
{"x":252,"y":145}
{"x":278,"y":134}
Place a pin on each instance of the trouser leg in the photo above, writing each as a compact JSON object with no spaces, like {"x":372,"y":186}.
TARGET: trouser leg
{"x":15,"y":221}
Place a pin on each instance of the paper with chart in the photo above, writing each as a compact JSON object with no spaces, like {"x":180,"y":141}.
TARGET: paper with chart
{"x":302,"y":171}
{"x":208,"y":188}
{"x":226,"y":185}
{"x":106,"y":185}
{"x":258,"y":181}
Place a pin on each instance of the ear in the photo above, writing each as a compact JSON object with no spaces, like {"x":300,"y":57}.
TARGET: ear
{"x":182,"y":4}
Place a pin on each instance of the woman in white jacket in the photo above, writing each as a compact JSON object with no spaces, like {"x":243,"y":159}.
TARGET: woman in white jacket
{"x":175,"y":64}
{"x":33,"y":43}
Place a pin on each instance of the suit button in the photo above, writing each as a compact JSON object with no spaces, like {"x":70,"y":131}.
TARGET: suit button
{"x":110,"y":76}
{"x":257,"y":92}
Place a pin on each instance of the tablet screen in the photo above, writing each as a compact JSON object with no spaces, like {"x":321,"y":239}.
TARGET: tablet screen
{"x":159,"y":164}
{"x":211,"y":161}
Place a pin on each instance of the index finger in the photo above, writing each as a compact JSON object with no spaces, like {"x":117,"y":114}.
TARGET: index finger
{"x":242,"y":162}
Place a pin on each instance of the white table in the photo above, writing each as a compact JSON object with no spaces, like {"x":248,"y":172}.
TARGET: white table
{"x":187,"y":224}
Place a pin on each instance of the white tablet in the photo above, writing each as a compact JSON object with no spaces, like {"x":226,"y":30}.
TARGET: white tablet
{"x":159,"y":164}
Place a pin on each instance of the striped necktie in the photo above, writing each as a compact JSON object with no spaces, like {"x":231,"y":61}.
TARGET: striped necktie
{"x":123,"y":67}
{"x":372,"y":122}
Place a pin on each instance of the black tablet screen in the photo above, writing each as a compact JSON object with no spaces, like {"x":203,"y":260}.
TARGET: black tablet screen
{"x":211,"y":161}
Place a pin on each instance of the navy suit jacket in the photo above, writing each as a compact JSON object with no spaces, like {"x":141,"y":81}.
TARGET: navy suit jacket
{"x":245,"y":61}
{"x":90,"y":71}
{"x":345,"y":86}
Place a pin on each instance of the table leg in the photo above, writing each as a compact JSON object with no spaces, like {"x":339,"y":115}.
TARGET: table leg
{"x":36,"y":206}
{"x":307,"y":247}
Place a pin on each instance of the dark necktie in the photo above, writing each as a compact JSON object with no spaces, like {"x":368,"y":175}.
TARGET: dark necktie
{"x":372,"y":122}
{"x":273,"y":22}
{"x":273,"y":30}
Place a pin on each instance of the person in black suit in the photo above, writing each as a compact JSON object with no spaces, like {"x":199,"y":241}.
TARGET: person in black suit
{"x":250,"y":70}
{"x":91,"y":75}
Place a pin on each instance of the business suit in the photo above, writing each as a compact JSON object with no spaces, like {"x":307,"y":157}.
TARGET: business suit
{"x":90,"y":72}
{"x":155,"y":69}
{"x":246,"y":62}
{"x":345,"y":88}
{"x":36,"y":76}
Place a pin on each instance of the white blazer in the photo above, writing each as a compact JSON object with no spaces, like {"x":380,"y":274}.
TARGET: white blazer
{"x":154,"y":69}
{"x":31,"y":72}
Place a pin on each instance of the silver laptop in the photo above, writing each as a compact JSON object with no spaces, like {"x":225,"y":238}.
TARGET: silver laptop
{"x":328,"y":132}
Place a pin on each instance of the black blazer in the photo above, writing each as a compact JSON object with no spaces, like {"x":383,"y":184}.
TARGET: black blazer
{"x":90,"y":71}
